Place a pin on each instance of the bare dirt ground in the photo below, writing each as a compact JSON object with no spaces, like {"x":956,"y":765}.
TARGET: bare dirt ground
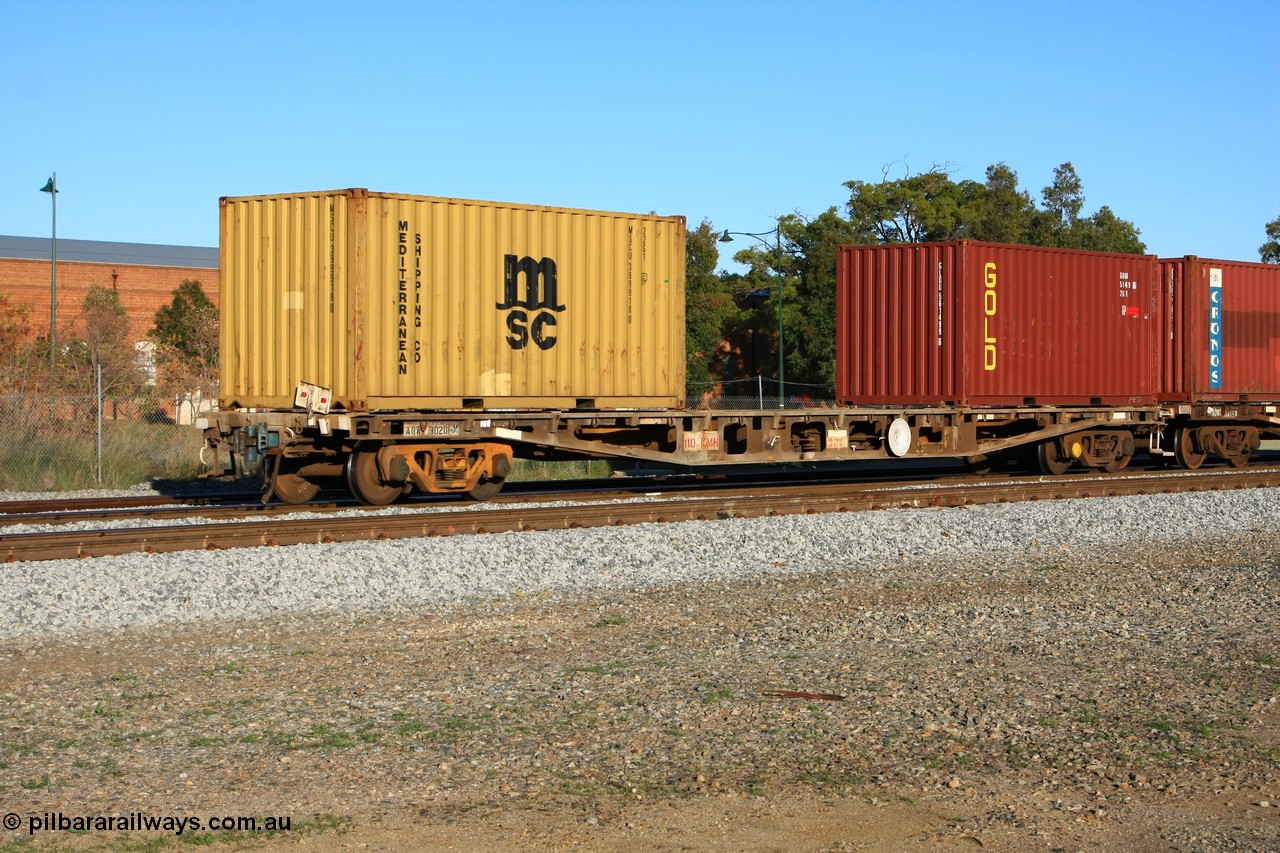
{"x":1122,"y":700}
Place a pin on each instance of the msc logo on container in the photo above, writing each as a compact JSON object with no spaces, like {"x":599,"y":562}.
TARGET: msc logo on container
{"x":532,"y":315}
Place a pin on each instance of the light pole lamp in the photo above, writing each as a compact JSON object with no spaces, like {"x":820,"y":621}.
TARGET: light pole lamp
{"x":51,"y":187}
{"x":776,"y":233}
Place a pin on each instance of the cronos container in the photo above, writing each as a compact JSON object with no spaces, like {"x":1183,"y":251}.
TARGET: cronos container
{"x":1225,"y":317}
{"x":412,"y":302}
{"x":983,"y":324}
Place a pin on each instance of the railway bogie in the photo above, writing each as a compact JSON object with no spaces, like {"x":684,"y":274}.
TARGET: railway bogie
{"x":1232,"y":442}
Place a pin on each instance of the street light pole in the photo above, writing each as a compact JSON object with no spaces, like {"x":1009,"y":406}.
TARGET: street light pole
{"x":782,"y":349}
{"x":51,"y":187}
{"x":777,"y":235}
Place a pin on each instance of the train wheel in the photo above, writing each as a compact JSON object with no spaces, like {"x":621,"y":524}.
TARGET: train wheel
{"x":486,"y":490}
{"x":366,"y":483}
{"x":289,"y":486}
{"x":1050,"y":459}
{"x":1184,"y":450}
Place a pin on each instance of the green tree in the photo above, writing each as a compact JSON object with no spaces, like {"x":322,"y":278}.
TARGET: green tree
{"x":813,"y":245}
{"x":766,"y":299}
{"x":1002,"y":212}
{"x":803,"y":271}
{"x":186,"y":337}
{"x":186,"y":323}
{"x":709,"y":309}
{"x":100,"y":338}
{"x":1106,"y":232}
{"x":931,"y":206}
{"x":15,"y":342}
{"x":919,"y":208}
{"x":1064,"y":198}
{"x":1060,"y":224}
{"x":1269,"y":251}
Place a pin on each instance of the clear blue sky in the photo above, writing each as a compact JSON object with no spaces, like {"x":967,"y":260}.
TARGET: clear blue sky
{"x":736,"y":112}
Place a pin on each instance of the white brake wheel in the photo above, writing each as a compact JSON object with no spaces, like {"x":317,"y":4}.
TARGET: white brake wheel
{"x":899,"y":438}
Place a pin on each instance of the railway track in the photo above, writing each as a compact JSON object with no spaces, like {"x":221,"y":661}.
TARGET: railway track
{"x":732,"y":502}
{"x":243,"y":503}
{"x":239,"y":504}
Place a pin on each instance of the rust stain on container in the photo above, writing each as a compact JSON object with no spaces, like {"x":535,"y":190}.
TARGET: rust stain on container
{"x":418,"y":302}
{"x":975,"y":323}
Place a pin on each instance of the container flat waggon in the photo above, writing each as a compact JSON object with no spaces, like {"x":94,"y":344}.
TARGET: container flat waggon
{"x":400,"y":343}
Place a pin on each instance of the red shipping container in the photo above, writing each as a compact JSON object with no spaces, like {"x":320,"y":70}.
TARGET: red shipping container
{"x":1225,"y":317}
{"x":984,"y":324}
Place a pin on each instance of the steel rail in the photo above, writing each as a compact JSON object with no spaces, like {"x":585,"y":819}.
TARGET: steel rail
{"x":118,"y":502}
{"x":324,"y":530}
{"x":239,"y":505}
{"x":219,"y":506}
{"x":242,"y":503}
{"x":62,"y":510}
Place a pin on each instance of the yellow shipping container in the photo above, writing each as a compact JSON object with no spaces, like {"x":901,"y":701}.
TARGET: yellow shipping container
{"x":413,"y":302}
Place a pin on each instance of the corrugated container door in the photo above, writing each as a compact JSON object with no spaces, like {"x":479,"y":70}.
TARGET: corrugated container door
{"x":283,"y":306}
{"x":896,"y":324}
{"x":1173,"y":382}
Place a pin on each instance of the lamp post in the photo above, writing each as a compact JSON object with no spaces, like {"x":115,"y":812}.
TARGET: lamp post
{"x":776,"y":233}
{"x":51,"y":187}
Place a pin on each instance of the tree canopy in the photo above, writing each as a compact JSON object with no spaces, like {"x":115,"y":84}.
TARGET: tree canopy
{"x":100,"y":339}
{"x":184,"y":323}
{"x":16,"y":346}
{"x":709,"y":306}
{"x":915,"y":209}
{"x":186,"y":336}
{"x":930,"y":206}
{"x":1270,"y":250}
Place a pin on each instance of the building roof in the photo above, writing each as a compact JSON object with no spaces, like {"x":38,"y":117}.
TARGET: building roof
{"x":101,"y":252}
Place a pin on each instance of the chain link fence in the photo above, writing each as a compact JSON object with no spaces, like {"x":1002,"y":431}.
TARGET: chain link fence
{"x":60,"y":442}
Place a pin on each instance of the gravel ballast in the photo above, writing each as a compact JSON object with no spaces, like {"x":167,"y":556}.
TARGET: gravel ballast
{"x":140,"y":590}
{"x":1068,"y":675}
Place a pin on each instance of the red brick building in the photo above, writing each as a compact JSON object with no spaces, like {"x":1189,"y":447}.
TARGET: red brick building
{"x":144,"y":275}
